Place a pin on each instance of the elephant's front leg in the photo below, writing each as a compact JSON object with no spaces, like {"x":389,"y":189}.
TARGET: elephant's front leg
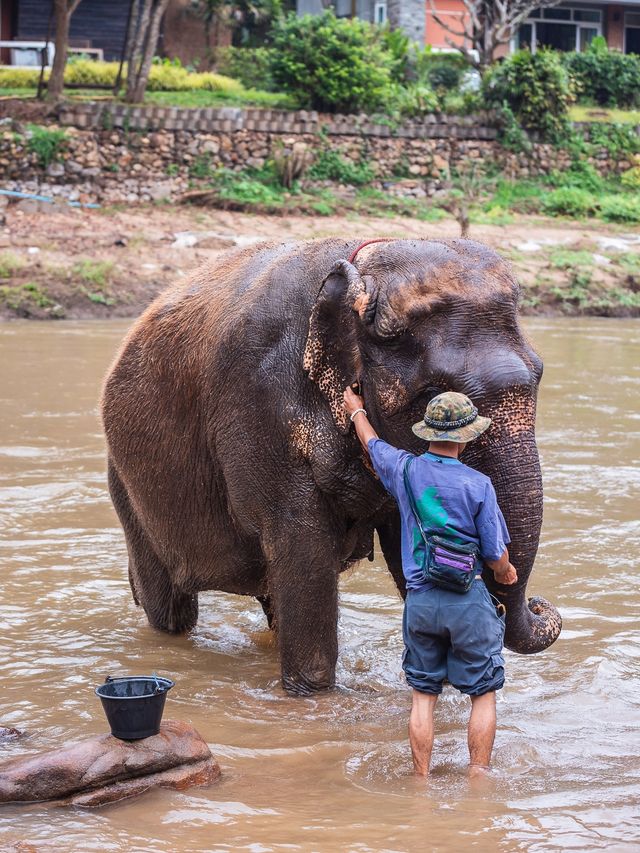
{"x":303,"y":588}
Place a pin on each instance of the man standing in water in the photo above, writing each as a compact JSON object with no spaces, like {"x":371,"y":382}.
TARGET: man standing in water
{"x":447,"y":636}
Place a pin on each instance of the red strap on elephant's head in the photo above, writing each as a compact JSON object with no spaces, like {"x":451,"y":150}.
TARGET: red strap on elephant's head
{"x":368,"y":243}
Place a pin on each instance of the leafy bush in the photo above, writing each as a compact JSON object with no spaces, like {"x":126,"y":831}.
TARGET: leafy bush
{"x":330,"y":165}
{"x":569,"y":201}
{"x":617,"y":139}
{"x":162,"y":78}
{"x":444,"y":76}
{"x":631,"y":178}
{"x":46,"y":143}
{"x":411,"y":101}
{"x":620,"y":208}
{"x":580,"y":175}
{"x":606,"y":77}
{"x":250,"y":65}
{"x":329,"y":63}
{"x":536,"y":88}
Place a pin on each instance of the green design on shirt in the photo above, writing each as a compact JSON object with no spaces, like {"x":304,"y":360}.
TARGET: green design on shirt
{"x":433,"y":516}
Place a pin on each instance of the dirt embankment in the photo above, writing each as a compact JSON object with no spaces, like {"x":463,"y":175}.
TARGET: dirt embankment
{"x":77,"y":263}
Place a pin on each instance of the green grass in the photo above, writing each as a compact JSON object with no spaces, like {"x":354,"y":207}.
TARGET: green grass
{"x":614,"y":115}
{"x":199,"y":98}
{"x":24,"y":298}
{"x":95,"y":273}
{"x":9,"y":264}
{"x":563,"y":259}
{"x":196,"y":98}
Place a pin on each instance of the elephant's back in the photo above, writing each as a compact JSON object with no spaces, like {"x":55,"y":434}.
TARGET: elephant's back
{"x":230,"y":308}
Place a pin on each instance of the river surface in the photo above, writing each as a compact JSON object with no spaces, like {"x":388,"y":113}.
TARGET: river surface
{"x":333,"y":772}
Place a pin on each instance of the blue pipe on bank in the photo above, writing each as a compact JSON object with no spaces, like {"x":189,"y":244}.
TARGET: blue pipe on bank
{"x":16,"y":194}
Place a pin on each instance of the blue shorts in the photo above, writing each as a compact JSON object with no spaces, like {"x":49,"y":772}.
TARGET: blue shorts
{"x":454,"y":637}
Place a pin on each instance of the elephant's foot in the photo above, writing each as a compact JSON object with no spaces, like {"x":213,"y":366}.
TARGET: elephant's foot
{"x":175,"y":613}
{"x":303,"y":684}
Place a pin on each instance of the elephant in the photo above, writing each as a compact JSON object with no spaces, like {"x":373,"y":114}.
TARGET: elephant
{"x":232,"y":464}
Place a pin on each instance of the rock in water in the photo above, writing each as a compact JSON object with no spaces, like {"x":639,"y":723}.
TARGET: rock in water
{"x":7,"y":733}
{"x":104,"y":769}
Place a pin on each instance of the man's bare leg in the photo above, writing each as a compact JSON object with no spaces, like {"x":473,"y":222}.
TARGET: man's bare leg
{"x":421,"y":730}
{"x":482,"y":731}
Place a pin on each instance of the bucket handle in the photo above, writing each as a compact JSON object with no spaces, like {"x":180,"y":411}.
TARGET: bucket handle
{"x":159,"y":688}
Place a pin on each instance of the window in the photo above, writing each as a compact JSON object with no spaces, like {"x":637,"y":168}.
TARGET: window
{"x":380,"y":13}
{"x":632,"y":32}
{"x":560,"y":28}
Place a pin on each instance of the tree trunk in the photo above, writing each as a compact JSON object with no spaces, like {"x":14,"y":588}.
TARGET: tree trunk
{"x":64,"y":9}
{"x":143,"y":47}
{"x":56,"y":80}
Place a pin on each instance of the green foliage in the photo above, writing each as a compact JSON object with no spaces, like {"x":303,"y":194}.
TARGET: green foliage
{"x":47,"y":143}
{"x":400,"y":49}
{"x":617,"y":139}
{"x":413,"y":101}
{"x":631,"y":178}
{"x":444,"y":76}
{"x":169,"y":77}
{"x":200,"y":167}
{"x":620,"y":208}
{"x":251,"y":188}
{"x":23,"y":298}
{"x":606,"y":77}
{"x":581,"y":175}
{"x":250,"y":65}
{"x":569,"y":201}
{"x":512,"y":136}
{"x":98,"y":274}
{"x":332,"y":64}
{"x":9,"y":264}
{"x":331,"y":165}
{"x":536,"y":88}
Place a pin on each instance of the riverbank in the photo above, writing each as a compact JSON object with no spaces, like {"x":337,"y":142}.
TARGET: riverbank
{"x":77,"y":263}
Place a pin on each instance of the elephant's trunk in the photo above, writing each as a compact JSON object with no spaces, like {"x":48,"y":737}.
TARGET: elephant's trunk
{"x":508,"y":454}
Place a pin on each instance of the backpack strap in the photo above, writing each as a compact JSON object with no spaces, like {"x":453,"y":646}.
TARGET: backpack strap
{"x":412,"y":500}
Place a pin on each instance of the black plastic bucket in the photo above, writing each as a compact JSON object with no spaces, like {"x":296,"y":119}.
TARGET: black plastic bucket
{"x":134,"y":704}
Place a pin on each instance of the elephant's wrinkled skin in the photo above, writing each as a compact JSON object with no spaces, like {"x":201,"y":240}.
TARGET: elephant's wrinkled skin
{"x":231,"y":462}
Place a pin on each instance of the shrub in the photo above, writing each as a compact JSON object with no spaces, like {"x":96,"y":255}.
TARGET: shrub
{"x":569,"y":201}
{"x":620,"y":208}
{"x":580,"y":175}
{"x":606,"y":77}
{"x":617,"y":139}
{"x":250,"y":65}
{"x":162,"y":78}
{"x":330,"y":165}
{"x":46,"y":143}
{"x":411,"y":101}
{"x":329,"y":63}
{"x":536,"y":87}
{"x":631,"y":178}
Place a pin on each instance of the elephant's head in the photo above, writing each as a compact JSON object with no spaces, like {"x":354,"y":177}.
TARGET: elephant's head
{"x":410,"y":319}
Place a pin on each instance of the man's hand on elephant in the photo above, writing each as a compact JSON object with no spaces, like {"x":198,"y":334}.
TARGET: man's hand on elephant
{"x":352,"y":401}
{"x":508,"y":576}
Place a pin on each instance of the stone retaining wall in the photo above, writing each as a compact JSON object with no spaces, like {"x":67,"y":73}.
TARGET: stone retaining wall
{"x":113,"y":153}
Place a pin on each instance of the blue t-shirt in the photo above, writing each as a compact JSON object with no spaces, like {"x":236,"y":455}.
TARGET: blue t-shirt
{"x":454,"y":501}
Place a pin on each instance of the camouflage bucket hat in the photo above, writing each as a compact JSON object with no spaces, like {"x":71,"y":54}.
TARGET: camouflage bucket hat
{"x":451,"y":417}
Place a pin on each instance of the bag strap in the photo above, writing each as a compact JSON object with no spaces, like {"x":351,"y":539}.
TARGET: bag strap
{"x":412,"y":500}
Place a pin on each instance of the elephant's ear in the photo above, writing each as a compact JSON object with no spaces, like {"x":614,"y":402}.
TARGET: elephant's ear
{"x":331,"y":356}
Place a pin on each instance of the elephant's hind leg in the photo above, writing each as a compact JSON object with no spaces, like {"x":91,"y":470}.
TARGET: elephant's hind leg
{"x":167,"y":608}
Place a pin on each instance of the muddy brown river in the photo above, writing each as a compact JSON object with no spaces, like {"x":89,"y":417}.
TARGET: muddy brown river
{"x":333,"y":772}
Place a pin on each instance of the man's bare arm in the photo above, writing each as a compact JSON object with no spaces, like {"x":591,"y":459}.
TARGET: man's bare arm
{"x":364,"y":430}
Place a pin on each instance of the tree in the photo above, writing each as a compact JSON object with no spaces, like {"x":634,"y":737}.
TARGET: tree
{"x":485,"y":25}
{"x":142,"y":39}
{"x":63,"y":10}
